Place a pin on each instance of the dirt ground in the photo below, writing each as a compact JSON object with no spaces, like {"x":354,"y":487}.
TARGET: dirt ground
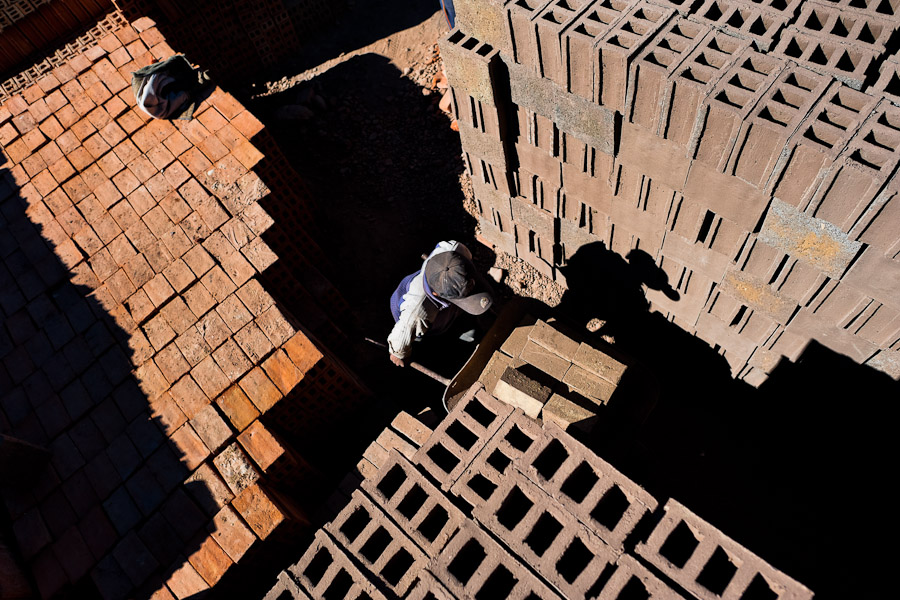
{"x":357,"y":117}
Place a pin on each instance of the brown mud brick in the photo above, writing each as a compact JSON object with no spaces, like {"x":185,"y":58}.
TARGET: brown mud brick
{"x":156,"y":254}
{"x":208,"y":490}
{"x":275,"y":326}
{"x":473,"y":563}
{"x":547,"y":537}
{"x":324,"y":563}
{"x":171,"y":363}
{"x":34,"y":164}
{"x":24,"y":122}
{"x":188,"y":396}
{"x":282,"y":371}
{"x":234,"y":313}
{"x":601,"y":497}
{"x":707,"y":563}
{"x":418,"y":507}
{"x":192,"y":448}
{"x":247,"y":124}
{"x":107,"y":194}
{"x":260,"y":389}
{"x":380,"y":545}
{"x":177,"y":315}
{"x":185,"y":582}
{"x":231,"y":534}
{"x":158,"y":331}
{"x":237,"y":268}
{"x":459,"y":438}
{"x":158,"y":187}
{"x":126,"y":151}
{"x":198,"y":299}
{"x":518,"y":390}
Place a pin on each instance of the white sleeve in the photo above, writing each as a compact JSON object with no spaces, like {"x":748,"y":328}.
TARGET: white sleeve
{"x":413,"y":320}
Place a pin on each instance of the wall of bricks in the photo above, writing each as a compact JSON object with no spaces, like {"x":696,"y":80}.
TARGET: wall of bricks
{"x":748,"y":147}
{"x":141,"y":342}
{"x":549,"y":519}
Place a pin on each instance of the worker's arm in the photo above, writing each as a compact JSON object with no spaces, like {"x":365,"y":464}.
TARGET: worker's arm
{"x":413,"y":322}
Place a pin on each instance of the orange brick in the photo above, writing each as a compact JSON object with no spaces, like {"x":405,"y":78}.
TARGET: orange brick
{"x":209,"y":560}
{"x":193,"y":450}
{"x":184,"y":581}
{"x":237,"y":407}
{"x":261,"y":445}
{"x":247,"y":154}
{"x":260,"y":389}
{"x":230,"y":532}
{"x":259,"y":511}
{"x":302,"y":352}
{"x":167,"y":414}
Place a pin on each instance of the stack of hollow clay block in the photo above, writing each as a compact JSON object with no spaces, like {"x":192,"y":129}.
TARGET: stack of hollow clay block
{"x":492,"y":505}
{"x":553,"y":377}
{"x":748,"y":148}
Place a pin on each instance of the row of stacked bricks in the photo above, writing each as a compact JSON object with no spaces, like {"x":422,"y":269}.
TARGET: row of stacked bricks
{"x":749,"y":148}
{"x":137,"y":343}
{"x":493,"y":505}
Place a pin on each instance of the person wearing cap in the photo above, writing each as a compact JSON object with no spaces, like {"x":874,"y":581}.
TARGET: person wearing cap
{"x":429,"y":300}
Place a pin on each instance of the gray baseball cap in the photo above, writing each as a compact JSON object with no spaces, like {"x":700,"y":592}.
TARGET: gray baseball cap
{"x":454,"y":278}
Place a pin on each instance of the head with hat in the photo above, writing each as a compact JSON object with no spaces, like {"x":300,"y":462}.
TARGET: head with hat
{"x":452,"y":277}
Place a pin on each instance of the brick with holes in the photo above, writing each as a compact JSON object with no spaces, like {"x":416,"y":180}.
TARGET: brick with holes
{"x":848,"y":197}
{"x":546,"y":536}
{"x":429,"y":588}
{"x":325,"y":570}
{"x":578,"y":46}
{"x":484,"y":475}
{"x":473,"y":565}
{"x":710,"y":565}
{"x":812,"y":148}
{"x":381,"y":546}
{"x":600,"y":496}
{"x":286,"y":588}
{"x":648,"y":93}
{"x":462,"y":435}
{"x":633,"y":580}
{"x":745,"y":20}
{"x":417,"y":505}
{"x":549,"y":25}
{"x":844,"y":62}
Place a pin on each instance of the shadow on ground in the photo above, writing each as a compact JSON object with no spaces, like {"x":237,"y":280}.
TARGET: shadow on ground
{"x":793,"y":470}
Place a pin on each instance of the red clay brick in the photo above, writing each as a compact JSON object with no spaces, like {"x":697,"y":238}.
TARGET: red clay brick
{"x":230,"y":532}
{"x":167,"y":413}
{"x":188,"y":396}
{"x":259,"y":511}
{"x":185,"y":582}
{"x":209,"y":491}
{"x":237,"y":407}
{"x":210,"y":377}
{"x":260,"y":389}
{"x":193,"y":450}
{"x":282,"y":371}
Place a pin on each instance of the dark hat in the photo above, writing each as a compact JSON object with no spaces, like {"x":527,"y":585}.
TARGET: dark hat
{"x":453,"y":277}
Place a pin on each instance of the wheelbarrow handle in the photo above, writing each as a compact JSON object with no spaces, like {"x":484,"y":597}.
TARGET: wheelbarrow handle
{"x":418,"y":367}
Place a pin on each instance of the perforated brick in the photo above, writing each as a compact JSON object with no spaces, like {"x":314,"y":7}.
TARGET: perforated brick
{"x":745,"y":19}
{"x":462,"y":435}
{"x":473,"y":565}
{"x":601,"y":497}
{"x":546,"y":536}
{"x":860,"y":172}
{"x":419,"y":507}
{"x":648,"y":92}
{"x":429,"y":588}
{"x":483,"y":476}
{"x":325,"y":571}
{"x":383,"y":548}
{"x":708,"y":564}
{"x":285,"y":588}
{"x":633,"y":580}
{"x":549,"y":24}
{"x":578,"y":45}
{"x":844,"y":62}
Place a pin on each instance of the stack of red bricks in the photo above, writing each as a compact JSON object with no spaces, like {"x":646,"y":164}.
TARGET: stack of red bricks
{"x":494,"y":506}
{"x":137,"y":342}
{"x":748,"y":148}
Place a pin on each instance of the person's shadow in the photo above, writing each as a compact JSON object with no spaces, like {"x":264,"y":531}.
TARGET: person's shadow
{"x":604,"y":286}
